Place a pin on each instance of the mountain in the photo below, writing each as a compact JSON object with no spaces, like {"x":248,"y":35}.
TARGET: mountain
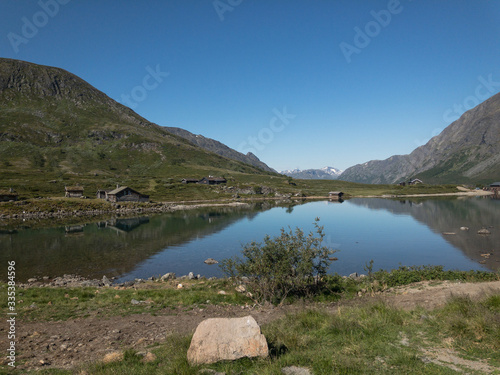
{"x":220,"y":148}
{"x":326,"y":173}
{"x":55,"y":126}
{"x":467,"y":151}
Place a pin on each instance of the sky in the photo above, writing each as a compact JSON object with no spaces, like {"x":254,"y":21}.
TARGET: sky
{"x":300,"y":83}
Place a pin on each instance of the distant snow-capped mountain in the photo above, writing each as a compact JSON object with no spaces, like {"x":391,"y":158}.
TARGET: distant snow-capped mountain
{"x":326,"y":173}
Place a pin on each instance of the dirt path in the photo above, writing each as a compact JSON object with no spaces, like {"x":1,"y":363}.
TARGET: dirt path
{"x":69,"y":343}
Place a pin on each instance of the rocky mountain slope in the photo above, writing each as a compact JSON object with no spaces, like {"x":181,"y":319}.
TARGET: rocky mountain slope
{"x":326,"y":173}
{"x":219,"y":148}
{"x":468,"y":150}
{"x":54,"y":125}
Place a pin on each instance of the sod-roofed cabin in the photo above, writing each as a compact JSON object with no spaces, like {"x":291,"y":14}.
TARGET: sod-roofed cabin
{"x":73,"y":191}
{"x":8,"y":195}
{"x":190,"y":181}
{"x":126,"y":194}
{"x":212,"y":180}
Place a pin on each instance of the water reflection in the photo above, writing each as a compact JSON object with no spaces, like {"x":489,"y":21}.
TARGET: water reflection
{"x":112,"y":247}
{"x":446,"y":216}
{"x":392,"y":232}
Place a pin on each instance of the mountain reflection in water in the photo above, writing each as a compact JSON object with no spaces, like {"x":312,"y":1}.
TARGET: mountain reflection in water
{"x":446,"y":216}
{"x":391,"y":232}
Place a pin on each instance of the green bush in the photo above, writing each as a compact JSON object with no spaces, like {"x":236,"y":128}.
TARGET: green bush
{"x":291,"y":263}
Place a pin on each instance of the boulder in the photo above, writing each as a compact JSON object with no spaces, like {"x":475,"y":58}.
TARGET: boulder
{"x":218,"y":339}
{"x":106,"y":281}
{"x":168,"y":276}
{"x":211,"y":261}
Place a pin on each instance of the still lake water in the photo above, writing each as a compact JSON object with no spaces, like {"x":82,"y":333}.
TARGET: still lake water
{"x":391,"y":232}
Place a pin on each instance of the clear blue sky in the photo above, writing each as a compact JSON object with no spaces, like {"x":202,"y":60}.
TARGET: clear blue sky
{"x":301,"y":83}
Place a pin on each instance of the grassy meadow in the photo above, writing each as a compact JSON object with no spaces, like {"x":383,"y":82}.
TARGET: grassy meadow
{"x":332,"y":332}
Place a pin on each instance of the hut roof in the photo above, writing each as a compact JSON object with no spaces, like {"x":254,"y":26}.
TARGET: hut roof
{"x":335,"y":193}
{"x":73,"y":188}
{"x":118,"y":190}
{"x":495,"y":184}
{"x":8,"y":192}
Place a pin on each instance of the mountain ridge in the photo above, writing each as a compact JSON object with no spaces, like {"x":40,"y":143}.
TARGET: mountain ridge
{"x":219,"y":148}
{"x":467,"y":150}
{"x":325,"y":173}
{"x":53,"y":123}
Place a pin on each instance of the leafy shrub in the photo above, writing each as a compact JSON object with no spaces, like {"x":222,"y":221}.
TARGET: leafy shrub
{"x":291,"y":263}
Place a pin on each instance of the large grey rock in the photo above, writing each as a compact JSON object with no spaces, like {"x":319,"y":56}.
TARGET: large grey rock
{"x":220,"y":339}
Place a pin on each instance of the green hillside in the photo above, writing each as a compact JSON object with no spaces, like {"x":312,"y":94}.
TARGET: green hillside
{"x":57,"y":130}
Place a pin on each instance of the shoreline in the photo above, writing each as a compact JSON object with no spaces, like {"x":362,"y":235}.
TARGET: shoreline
{"x":173,"y":206}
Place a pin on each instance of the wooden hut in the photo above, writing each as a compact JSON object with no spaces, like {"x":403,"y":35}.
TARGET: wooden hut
{"x":102,"y":194}
{"x":190,"y":180}
{"x":415,"y":182}
{"x":212,"y":180}
{"x":8,"y":195}
{"x":335,"y":195}
{"x":495,"y":187}
{"x":126,"y":194}
{"x":73,"y":191}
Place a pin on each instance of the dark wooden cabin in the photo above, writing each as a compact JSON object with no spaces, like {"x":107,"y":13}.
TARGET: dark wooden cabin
{"x":212,"y":180}
{"x":126,"y":194}
{"x":8,"y":195}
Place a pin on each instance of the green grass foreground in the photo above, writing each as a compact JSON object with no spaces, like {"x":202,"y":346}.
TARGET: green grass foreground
{"x":353,"y":338}
{"x":372,"y":339}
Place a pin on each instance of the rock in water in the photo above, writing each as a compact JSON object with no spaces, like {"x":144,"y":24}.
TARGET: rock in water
{"x":211,"y":261}
{"x":483,"y":231}
{"x":218,"y":339}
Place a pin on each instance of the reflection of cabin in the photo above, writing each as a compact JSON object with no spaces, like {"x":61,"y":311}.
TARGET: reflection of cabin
{"x":190,"y":180}
{"x":335,"y":195}
{"x":415,"y":182}
{"x":126,"y":194}
{"x":73,"y":191}
{"x":8,"y":195}
{"x":74,"y":230}
{"x":212,"y":180}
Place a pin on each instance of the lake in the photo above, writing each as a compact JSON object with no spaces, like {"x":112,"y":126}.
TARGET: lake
{"x":391,"y":232}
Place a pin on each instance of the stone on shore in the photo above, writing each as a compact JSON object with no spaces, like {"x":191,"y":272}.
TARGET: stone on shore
{"x":218,"y":339}
{"x":168,"y":276}
{"x":483,"y":231}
